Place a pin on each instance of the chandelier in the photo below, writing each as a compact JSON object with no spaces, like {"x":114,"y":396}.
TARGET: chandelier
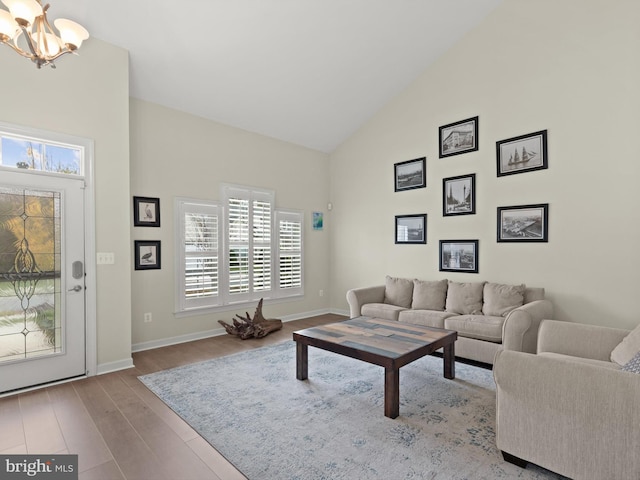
{"x":26,"y":22}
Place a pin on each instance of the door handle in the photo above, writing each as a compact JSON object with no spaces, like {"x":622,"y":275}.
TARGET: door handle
{"x":76,"y":288}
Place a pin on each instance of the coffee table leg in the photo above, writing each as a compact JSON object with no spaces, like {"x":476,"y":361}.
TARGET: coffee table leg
{"x":302,"y":361}
{"x":450,"y":361}
{"x":391,"y":392}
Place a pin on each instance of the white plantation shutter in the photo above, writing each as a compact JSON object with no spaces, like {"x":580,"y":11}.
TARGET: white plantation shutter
{"x":249,"y":243}
{"x":198,"y":268}
{"x":238,"y":238}
{"x":289,"y":230}
{"x":262,"y":245}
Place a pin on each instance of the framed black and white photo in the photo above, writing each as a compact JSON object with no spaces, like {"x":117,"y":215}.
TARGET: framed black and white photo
{"x":146,"y":212}
{"x":459,"y":256}
{"x":525,"y":153}
{"x":147,"y":254}
{"x":410,"y":174}
{"x":411,"y":228}
{"x":459,"y":137}
{"x":459,"y":195}
{"x":524,"y":223}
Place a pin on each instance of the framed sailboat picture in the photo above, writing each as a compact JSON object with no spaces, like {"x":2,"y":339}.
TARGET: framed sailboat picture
{"x":522,"y":154}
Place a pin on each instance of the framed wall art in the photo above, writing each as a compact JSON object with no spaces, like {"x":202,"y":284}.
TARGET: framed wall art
{"x":524,"y":223}
{"x":459,"y":195}
{"x":525,"y":153}
{"x":459,"y":137}
{"x":411,"y":228}
{"x":318,"y":220}
{"x":459,"y":256}
{"x":410,"y":174}
{"x":147,"y":254}
{"x":146,"y":212}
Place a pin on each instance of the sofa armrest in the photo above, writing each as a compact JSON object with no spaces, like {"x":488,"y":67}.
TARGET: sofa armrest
{"x":574,"y":418}
{"x":520,"y":328}
{"x":579,"y":340}
{"x":360,"y":296}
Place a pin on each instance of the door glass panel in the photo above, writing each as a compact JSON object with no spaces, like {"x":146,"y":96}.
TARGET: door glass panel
{"x":30,"y":282}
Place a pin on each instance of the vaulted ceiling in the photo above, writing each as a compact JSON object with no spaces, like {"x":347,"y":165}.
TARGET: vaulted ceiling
{"x":309,"y":72}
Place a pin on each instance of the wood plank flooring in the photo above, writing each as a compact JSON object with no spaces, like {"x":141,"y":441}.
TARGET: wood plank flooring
{"x":118,"y":428}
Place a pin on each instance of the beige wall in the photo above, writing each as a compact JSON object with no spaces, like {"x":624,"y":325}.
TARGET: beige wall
{"x":87,"y":96}
{"x":571,"y":67}
{"x":179,"y":155}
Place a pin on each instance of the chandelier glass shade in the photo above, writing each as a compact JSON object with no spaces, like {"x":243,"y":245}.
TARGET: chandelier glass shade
{"x":26,"y":29}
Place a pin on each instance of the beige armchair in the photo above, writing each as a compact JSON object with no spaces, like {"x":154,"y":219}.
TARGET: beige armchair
{"x":568,"y":408}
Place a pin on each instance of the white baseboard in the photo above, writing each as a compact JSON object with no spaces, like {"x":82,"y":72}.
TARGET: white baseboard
{"x":114,"y":366}
{"x":165,"y":342}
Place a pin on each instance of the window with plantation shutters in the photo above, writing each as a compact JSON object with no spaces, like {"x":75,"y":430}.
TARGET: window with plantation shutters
{"x":198,"y":269}
{"x":289,"y":227}
{"x":249,"y":243}
{"x":237,"y":251}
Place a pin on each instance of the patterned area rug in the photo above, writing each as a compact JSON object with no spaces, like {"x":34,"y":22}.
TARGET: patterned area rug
{"x":251,"y":408}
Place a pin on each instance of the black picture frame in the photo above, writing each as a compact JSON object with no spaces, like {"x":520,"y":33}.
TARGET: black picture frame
{"x":523,"y":223}
{"x":525,"y":153}
{"x":410,"y":175}
{"x":458,"y":137}
{"x":411,"y":229}
{"x":146,"y":212}
{"x":147,"y":254}
{"x":459,"y":195}
{"x":459,"y":256}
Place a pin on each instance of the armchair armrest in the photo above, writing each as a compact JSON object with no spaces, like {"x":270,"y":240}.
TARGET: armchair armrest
{"x":574,"y":418}
{"x":520,"y":328}
{"x":360,"y":296}
{"x":579,"y":340}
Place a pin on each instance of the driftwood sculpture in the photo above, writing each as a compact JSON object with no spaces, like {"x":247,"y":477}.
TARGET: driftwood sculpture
{"x":246,"y":327}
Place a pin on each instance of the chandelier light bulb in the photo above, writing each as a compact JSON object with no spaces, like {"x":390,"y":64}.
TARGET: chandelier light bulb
{"x":71,"y":33}
{"x":8,"y":26}
{"x":24,"y":11}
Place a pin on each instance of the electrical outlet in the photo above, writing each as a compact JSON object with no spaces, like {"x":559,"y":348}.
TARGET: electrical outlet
{"x":321,"y":293}
{"x":147,"y":317}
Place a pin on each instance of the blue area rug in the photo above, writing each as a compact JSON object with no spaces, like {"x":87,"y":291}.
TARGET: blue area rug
{"x":251,"y":408}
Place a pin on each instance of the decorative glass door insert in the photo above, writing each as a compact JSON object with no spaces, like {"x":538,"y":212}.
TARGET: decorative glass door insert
{"x":30,"y":274}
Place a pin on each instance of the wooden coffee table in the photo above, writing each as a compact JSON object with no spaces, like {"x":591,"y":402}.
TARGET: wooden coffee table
{"x":381,"y":342}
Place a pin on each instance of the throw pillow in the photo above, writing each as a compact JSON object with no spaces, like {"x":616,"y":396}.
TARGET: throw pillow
{"x":429,"y":295}
{"x":398,"y":291}
{"x":500,"y":299}
{"x":632,"y":365}
{"x":464,"y":298}
{"x":627,"y":348}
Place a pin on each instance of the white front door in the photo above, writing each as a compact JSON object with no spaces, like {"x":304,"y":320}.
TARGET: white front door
{"x":42,"y":279}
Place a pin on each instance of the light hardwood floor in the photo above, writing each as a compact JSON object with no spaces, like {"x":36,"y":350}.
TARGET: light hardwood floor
{"x":118,"y":428}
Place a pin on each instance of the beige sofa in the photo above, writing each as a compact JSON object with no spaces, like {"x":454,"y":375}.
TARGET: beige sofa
{"x":487,"y":316}
{"x":572,"y":408}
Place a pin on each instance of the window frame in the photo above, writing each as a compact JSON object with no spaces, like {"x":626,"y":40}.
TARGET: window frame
{"x":225,"y":301}
{"x":182,"y":206}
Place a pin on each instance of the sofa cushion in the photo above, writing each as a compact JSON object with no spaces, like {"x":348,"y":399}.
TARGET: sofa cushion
{"x":500,"y":299}
{"x":381,"y":310}
{"x":632,"y":365}
{"x":589,"y":361}
{"x":481,"y":327}
{"x":426,"y":318}
{"x":398,"y":291}
{"x":464,"y":298}
{"x":626,"y":349}
{"x":429,"y":295}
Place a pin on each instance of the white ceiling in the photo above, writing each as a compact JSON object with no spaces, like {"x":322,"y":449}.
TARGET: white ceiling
{"x":309,"y":72}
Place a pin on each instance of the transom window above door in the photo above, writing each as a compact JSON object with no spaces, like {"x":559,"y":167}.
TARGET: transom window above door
{"x":27,"y":153}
